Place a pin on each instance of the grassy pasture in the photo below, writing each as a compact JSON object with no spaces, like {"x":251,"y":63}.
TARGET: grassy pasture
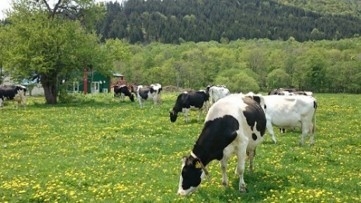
{"x":101,"y":150}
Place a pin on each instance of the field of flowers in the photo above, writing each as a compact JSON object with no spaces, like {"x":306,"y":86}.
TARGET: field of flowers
{"x":100,"y":149}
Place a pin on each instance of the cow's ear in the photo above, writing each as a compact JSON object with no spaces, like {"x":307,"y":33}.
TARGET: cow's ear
{"x":198,"y":164}
{"x":257,"y":99}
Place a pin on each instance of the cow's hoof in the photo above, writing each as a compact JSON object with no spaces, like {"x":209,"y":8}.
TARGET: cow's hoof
{"x":243,"y":190}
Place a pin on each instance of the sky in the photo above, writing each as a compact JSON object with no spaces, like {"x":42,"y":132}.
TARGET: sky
{"x":6,"y":4}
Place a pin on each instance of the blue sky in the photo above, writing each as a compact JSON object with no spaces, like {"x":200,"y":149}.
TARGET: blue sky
{"x":6,"y":4}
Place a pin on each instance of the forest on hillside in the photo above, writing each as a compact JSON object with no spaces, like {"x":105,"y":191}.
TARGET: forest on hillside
{"x":172,"y":21}
{"x":340,"y":7}
{"x":248,"y":65}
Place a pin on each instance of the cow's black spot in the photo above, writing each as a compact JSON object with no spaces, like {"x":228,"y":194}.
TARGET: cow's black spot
{"x":254,"y":136}
{"x":255,"y":115}
{"x":216,"y":135}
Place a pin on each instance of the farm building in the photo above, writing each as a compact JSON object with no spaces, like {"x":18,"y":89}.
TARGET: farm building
{"x":95,"y":82}
{"x":92,"y":82}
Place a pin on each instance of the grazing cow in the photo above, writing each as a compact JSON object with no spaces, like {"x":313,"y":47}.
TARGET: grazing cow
{"x":291,"y":111}
{"x":13,"y":92}
{"x":149,"y":92}
{"x":234,"y":125}
{"x":282,"y":91}
{"x":289,"y":92}
{"x":187,"y":100}
{"x":216,"y":93}
{"x":123,"y":91}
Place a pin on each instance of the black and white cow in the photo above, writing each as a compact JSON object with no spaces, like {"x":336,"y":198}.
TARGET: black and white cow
{"x":123,"y":91}
{"x":149,"y":92}
{"x":187,"y":100}
{"x":289,"y":92}
{"x":13,"y":92}
{"x":290,"y":112}
{"x":234,"y":125}
{"x":216,"y":92}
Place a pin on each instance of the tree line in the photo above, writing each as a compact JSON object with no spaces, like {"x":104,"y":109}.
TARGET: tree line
{"x":171,"y":21}
{"x":249,"y":65}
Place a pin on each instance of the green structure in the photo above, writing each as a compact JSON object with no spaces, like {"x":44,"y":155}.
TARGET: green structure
{"x":93,"y":81}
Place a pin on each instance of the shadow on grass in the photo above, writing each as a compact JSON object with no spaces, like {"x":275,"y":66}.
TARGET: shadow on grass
{"x":259,"y":185}
{"x":86,"y":104}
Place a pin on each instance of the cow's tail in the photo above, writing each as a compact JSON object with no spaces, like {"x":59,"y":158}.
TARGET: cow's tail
{"x":314,"y":118}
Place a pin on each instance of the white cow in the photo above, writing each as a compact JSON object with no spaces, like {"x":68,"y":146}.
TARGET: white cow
{"x":216,"y":93}
{"x":289,"y":112}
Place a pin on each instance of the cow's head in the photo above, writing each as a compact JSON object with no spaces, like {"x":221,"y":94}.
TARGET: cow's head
{"x":131,"y":97}
{"x":20,"y":88}
{"x":191,"y":176}
{"x":173,"y":115}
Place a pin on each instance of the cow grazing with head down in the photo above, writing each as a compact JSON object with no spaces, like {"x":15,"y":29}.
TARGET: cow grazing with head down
{"x":13,"y":92}
{"x":290,"y":112}
{"x":149,"y":92}
{"x":123,"y":91}
{"x":234,"y":125}
{"x":216,"y":93}
{"x":187,"y":100}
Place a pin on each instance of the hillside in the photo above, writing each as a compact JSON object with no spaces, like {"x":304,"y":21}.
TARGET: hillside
{"x":340,"y":7}
{"x":171,"y":21}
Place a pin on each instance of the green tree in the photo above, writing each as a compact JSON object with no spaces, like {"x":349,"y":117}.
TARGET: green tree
{"x":237,"y":81}
{"x":51,"y":42}
{"x":278,"y":78}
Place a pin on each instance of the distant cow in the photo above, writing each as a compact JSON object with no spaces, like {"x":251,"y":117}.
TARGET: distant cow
{"x":187,"y":100}
{"x":289,"y":92}
{"x":291,"y":111}
{"x":13,"y":92}
{"x":123,"y":91}
{"x":216,"y":93}
{"x":149,"y":92}
{"x":234,"y":125}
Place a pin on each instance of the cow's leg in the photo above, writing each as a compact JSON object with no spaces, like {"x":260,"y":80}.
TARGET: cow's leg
{"x":304,"y":133}
{"x":312,"y":134}
{"x":241,"y":161}
{"x":270,"y":130}
{"x":251,"y":154}
{"x":140,"y":101}
{"x":200,"y":114}
{"x":306,"y":129}
{"x":224,"y":162}
{"x":186,"y":116}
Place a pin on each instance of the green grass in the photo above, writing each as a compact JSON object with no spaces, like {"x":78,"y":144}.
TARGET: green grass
{"x":103,"y":150}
